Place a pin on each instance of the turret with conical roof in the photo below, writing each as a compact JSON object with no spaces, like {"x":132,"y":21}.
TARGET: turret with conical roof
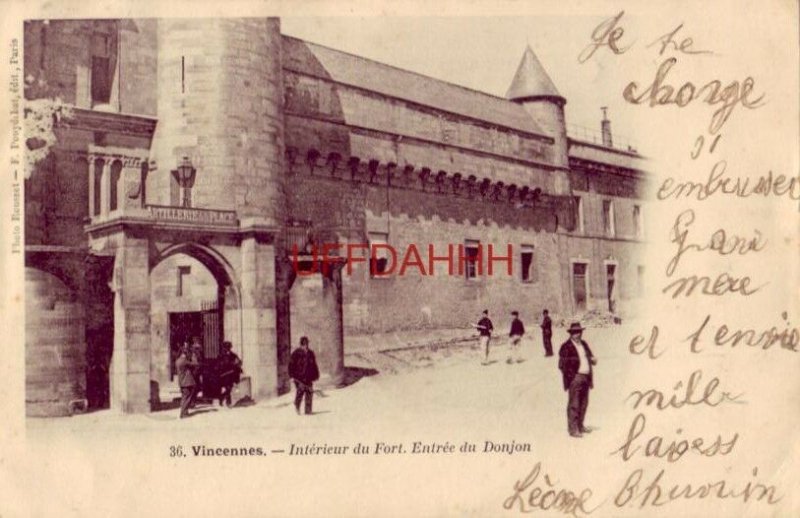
{"x":533,"y":89}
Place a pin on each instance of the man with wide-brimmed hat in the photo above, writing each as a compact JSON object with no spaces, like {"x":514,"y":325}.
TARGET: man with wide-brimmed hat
{"x":575,"y":360}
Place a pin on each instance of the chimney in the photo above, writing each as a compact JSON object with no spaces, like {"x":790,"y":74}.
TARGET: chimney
{"x":605,"y":128}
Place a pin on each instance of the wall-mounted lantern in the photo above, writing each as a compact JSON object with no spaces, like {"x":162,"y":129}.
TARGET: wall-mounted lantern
{"x":185,"y":174}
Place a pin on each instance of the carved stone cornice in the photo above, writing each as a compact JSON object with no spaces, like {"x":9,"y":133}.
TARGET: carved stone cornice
{"x":119,"y":123}
{"x":593,"y":166}
{"x":128,"y":160}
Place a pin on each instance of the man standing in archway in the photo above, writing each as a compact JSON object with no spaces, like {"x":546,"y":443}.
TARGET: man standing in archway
{"x":186,"y":364}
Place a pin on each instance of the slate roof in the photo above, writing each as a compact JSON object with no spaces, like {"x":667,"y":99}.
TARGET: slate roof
{"x":531,"y":80}
{"x":388,"y":80}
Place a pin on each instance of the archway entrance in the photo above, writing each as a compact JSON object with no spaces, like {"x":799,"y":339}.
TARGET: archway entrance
{"x":191,"y":297}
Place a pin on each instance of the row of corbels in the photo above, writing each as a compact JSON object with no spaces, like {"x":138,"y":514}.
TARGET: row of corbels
{"x":335,"y":166}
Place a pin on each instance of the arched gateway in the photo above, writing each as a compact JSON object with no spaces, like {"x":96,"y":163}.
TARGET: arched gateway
{"x":193,"y":295}
{"x":184,"y":272}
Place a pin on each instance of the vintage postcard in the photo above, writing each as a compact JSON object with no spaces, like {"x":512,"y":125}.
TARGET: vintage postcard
{"x":395,"y":259}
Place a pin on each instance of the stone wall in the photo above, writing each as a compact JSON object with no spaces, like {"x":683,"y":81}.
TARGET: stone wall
{"x":220,"y":104}
{"x":412,"y":300}
{"x":58,"y":62}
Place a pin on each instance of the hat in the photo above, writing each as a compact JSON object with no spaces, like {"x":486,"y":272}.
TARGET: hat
{"x":575,"y":327}
{"x":515,"y":313}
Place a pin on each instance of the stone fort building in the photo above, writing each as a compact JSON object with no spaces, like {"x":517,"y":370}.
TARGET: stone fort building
{"x":196,"y":156}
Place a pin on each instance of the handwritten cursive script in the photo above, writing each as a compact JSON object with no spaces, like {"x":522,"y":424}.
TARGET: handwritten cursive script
{"x":528,"y":495}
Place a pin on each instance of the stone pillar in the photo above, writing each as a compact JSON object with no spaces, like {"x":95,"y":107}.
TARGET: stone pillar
{"x":330,"y":351}
{"x":130,"y":360}
{"x":316,"y":312}
{"x":259,"y":344}
{"x":105,"y":186}
{"x":91,"y":186}
{"x":285,"y":277}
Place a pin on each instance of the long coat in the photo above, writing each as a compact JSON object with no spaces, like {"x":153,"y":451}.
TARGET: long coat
{"x":303,"y":366}
{"x":186,"y":368}
{"x":568,"y":362}
{"x":229,"y":367}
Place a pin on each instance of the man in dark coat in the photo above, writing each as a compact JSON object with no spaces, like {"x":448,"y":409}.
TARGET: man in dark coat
{"x":547,"y":333}
{"x":196,"y":350}
{"x":485,"y":329}
{"x":515,"y":334}
{"x":575,"y":360}
{"x":304,"y":371}
{"x":186,"y":365}
{"x":230,"y":370}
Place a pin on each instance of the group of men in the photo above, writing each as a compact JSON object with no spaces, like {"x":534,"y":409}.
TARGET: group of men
{"x":191,"y":369}
{"x":486,"y":328}
{"x":575,"y":361}
{"x":189,"y":364}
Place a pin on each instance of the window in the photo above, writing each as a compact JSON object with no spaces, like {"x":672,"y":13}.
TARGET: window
{"x":580,"y":285}
{"x":608,"y":218}
{"x":102,"y":75}
{"x":526,"y":260}
{"x":579,"y":214}
{"x":116,"y":173}
{"x":183,"y":271}
{"x":378,"y":257}
{"x":472,"y":258}
{"x":638,"y":229}
{"x":611,"y":286}
{"x":99,"y":166}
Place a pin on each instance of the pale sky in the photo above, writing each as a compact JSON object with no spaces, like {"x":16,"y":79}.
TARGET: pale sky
{"x":483,"y":53}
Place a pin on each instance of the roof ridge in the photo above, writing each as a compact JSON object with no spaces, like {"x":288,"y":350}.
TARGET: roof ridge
{"x":395,"y":67}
